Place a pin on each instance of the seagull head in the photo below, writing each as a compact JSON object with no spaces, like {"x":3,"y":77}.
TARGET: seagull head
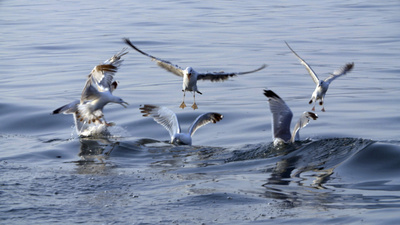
{"x":181,"y":139}
{"x":189,"y":71}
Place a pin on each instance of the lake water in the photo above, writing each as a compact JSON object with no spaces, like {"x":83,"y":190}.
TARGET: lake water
{"x":345,"y":170}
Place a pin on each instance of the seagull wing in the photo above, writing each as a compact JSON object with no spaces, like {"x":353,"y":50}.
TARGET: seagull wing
{"x":303,"y":121}
{"x":339,"y":72}
{"x":103,"y":74}
{"x":68,"y":108}
{"x":101,"y":77}
{"x":281,"y":116}
{"x":90,"y":91}
{"x":163,"y":116}
{"x":175,"y":69}
{"x":221,"y":76}
{"x":204,"y":119}
{"x":308,"y":67}
{"x":114,"y":86}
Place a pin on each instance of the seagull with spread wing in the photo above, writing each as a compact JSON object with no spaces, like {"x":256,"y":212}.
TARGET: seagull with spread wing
{"x":282,"y":117}
{"x":167,"y":118}
{"x":96,"y":94}
{"x":322,"y":85}
{"x":190,"y":76}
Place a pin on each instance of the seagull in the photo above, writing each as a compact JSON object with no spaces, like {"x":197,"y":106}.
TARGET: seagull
{"x":167,"y":118}
{"x":95,"y":95}
{"x":322,"y":85}
{"x":190,"y":76}
{"x":282,"y":117}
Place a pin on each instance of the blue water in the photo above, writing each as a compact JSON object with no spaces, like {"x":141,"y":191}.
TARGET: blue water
{"x":345,"y":169}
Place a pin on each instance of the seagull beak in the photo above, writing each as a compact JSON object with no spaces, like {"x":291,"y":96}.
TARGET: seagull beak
{"x":124,"y":105}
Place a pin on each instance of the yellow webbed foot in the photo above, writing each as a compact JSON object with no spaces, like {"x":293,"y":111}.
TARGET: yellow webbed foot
{"x":183,"y":105}
{"x":194,"y":106}
{"x":110,"y":124}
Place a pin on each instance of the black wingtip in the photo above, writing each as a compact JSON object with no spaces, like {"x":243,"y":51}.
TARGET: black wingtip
{"x":217,"y":117}
{"x":57,"y":111}
{"x":263,"y":66}
{"x":287,"y":44}
{"x":146,"y":109}
{"x":270,"y":94}
{"x":114,"y":85}
{"x":128,"y":42}
{"x":313,"y":116}
{"x":349,"y":66}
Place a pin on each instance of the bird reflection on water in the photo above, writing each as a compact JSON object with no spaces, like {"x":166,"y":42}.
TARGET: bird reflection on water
{"x":93,"y":154}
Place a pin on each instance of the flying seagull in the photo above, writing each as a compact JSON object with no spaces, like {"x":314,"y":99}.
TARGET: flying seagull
{"x":322,"y":85}
{"x":167,"y":118}
{"x":96,"y":94}
{"x":190,"y":76}
{"x":282,"y":117}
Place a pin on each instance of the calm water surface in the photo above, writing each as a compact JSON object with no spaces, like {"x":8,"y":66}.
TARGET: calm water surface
{"x":345,"y":169}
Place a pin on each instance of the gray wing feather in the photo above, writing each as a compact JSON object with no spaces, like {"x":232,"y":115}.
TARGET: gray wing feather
{"x":221,"y":76}
{"x":308,"y":67}
{"x":281,"y":116}
{"x":303,"y":121}
{"x":204,"y":119}
{"x":104,"y":73}
{"x":69,"y":108}
{"x":101,"y":77}
{"x":90,"y":91}
{"x":163,"y":116}
{"x":339,"y":72}
{"x":175,"y":69}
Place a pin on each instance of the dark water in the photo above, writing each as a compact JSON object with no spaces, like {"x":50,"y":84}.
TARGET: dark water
{"x":345,"y":169}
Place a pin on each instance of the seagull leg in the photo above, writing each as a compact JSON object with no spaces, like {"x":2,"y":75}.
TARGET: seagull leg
{"x":194,"y":106}
{"x":183,"y":105}
{"x":323,"y":108}
{"x":102,"y":120}
{"x":110,"y":124}
{"x":313,"y":108}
